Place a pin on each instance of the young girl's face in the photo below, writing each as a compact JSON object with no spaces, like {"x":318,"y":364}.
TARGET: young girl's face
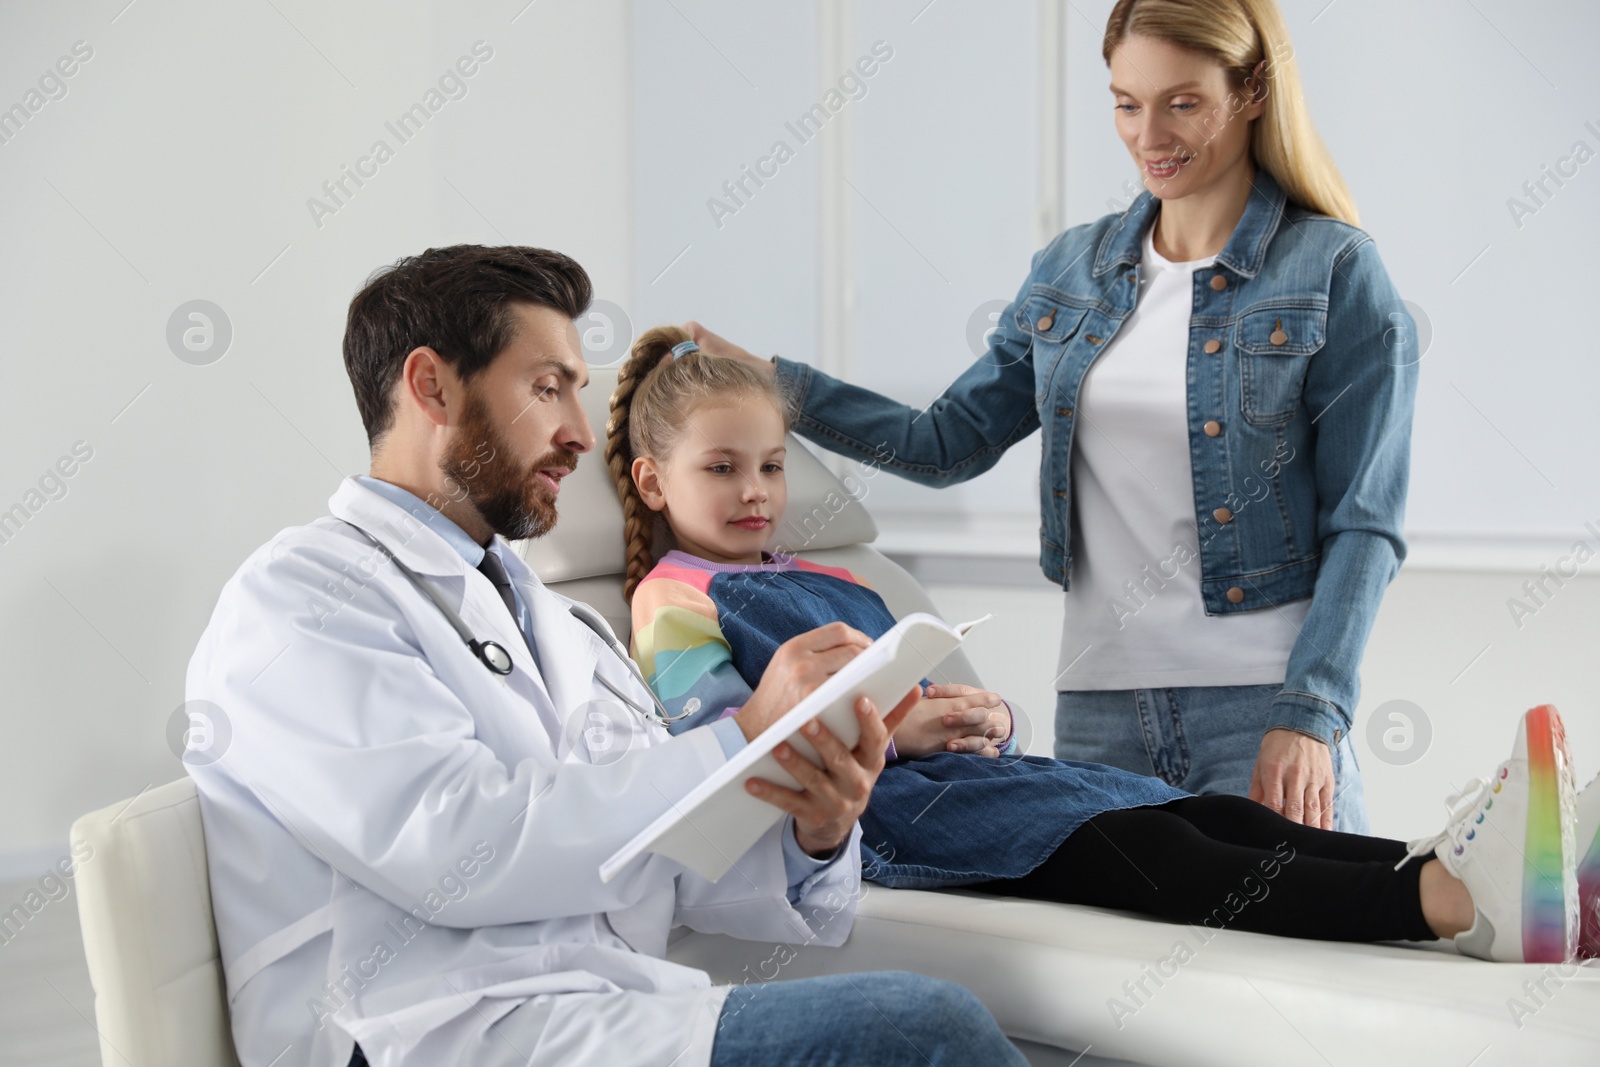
{"x":721,"y":488}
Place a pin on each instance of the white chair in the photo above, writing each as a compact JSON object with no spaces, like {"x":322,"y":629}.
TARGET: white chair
{"x":1060,"y":976}
{"x":144,"y":904}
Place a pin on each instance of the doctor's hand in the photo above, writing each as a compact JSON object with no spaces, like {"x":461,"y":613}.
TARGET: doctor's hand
{"x":954,"y":718}
{"x":1294,"y":777}
{"x":833,"y":796}
{"x":719,"y":346}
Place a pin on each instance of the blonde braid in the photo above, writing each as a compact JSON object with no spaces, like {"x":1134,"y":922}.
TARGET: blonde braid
{"x":638,"y":521}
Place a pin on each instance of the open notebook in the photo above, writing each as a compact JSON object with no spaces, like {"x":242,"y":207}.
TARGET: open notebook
{"x":719,"y":820}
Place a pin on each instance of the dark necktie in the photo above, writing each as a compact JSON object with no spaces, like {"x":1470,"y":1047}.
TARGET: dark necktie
{"x":495,"y":571}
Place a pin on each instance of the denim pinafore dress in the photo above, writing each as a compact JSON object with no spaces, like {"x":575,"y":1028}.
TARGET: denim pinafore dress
{"x":946,"y":819}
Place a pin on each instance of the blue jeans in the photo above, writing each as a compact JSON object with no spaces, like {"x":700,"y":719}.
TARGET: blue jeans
{"x":1204,"y":739}
{"x":876,"y":1019}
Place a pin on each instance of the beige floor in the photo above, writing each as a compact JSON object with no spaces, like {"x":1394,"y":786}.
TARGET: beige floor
{"x":46,"y":1003}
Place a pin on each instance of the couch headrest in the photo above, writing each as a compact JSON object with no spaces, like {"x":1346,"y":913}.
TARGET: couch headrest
{"x":587,"y":540}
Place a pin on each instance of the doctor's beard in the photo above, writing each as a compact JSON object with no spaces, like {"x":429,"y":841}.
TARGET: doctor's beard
{"x":509,"y":497}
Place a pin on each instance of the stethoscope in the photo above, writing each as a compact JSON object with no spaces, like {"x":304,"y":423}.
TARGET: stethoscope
{"x":494,"y":656}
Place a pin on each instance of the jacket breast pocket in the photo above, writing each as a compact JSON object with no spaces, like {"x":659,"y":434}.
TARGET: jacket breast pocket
{"x":1049,"y":323}
{"x":1275,"y":349}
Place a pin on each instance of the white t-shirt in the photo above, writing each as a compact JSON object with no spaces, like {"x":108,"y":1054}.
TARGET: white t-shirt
{"x":1134,"y":617}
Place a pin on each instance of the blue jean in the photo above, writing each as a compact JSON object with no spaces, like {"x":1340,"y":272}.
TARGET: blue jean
{"x":875,"y":1019}
{"x":1204,"y":739}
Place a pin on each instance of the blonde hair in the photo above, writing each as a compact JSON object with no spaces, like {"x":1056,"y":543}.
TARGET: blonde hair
{"x":649,"y":411}
{"x":1239,"y":34}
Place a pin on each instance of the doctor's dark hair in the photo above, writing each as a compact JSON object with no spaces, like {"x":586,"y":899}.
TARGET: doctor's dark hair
{"x":1239,"y":35}
{"x":649,"y":411}
{"x":456,"y":301}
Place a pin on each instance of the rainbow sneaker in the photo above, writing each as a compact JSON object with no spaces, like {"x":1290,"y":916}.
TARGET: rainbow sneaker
{"x":1510,"y":840}
{"x":1589,"y":871}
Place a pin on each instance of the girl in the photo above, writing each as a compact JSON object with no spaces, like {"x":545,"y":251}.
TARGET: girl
{"x":699,"y":440}
{"x":1224,"y":378}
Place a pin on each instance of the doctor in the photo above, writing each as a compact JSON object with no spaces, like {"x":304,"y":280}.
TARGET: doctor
{"x":430,"y":755}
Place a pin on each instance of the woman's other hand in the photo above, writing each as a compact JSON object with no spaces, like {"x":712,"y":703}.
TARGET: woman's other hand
{"x":954,"y":718}
{"x":1294,"y":777}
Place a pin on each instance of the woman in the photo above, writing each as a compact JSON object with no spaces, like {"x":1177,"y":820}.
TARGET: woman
{"x":1229,"y":515}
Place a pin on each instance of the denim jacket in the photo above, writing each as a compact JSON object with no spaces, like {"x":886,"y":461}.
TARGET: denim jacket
{"x":1302,"y":374}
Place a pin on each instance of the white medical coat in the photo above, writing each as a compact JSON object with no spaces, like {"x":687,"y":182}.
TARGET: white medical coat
{"x":403,"y":846}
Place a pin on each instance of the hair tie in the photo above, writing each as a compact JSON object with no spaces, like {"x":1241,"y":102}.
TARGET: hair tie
{"x":683,"y":348}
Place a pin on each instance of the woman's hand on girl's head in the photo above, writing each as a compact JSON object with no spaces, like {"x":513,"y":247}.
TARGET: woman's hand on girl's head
{"x":955,"y":718}
{"x":719,"y":346}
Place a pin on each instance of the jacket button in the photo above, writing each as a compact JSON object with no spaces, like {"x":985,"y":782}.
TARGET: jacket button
{"x":1213,"y":346}
{"x":1278,"y":337}
{"x":1059,"y":493}
{"x":1235,"y":595}
{"x":1064,"y":411}
{"x":1218,"y":282}
{"x":1213,"y":427}
{"x":1222,"y":515}
{"x":1046,"y":321}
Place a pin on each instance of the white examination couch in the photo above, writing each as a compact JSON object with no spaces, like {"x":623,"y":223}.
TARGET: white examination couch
{"x":1061,"y":979}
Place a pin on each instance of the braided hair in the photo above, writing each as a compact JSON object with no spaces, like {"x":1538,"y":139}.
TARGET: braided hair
{"x":655,"y":395}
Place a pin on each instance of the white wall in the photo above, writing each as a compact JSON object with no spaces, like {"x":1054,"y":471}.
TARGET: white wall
{"x":715,"y":81}
{"x":871,"y":251}
{"x":178,"y":166}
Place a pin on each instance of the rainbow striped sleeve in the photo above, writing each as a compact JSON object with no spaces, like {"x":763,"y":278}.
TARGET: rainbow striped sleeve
{"x":679,"y":646}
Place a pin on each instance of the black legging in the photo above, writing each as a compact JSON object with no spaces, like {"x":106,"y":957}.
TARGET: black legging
{"x":1228,"y":862}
